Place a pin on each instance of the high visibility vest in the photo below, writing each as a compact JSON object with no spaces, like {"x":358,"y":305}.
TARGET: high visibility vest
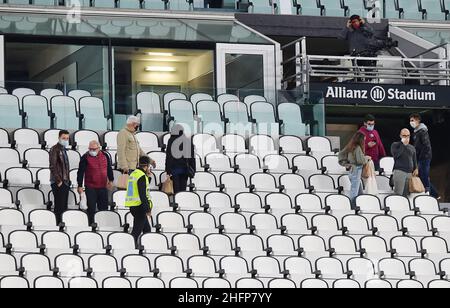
{"x":132,"y":199}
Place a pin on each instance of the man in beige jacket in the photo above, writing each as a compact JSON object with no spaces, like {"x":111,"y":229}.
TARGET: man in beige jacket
{"x":128,"y":149}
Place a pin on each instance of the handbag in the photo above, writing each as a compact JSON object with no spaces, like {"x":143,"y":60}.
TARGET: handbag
{"x":367,"y":171}
{"x":122,"y":181}
{"x":167,"y":186}
{"x":416,"y":186}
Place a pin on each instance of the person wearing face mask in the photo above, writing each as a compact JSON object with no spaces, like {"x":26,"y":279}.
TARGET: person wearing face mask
{"x":405,"y":163}
{"x":373,"y":145}
{"x":128,"y":149}
{"x":59,"y":174}
{"x":138,"y":198}
{"x":359,"y":36}
{"x":422,"y":143}
{"x":96,"y":170}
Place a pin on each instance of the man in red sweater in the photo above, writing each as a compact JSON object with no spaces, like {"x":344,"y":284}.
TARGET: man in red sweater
{"x":96,"y":170}
{"x":374,"y":146}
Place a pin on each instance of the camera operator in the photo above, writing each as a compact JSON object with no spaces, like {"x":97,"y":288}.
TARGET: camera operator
{"x":360,"y":37}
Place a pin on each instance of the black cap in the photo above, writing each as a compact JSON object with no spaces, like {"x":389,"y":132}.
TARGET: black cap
{"x":353,"y":17}
{"x":144,"y":161}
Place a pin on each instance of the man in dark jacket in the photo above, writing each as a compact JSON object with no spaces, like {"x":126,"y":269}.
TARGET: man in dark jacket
{"x":359,"y":36}
{"x":422,"y":143}
{"x":180,"y":159}
{"x":96,"y":170}
{"x":60,"y":174}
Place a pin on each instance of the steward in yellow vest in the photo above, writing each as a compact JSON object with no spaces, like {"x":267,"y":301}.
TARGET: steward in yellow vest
{"x":138,"y":198}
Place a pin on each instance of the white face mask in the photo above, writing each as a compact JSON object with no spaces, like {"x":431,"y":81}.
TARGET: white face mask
{"x":64,"y":143}
{"x":413,"y":124}
{"x":370,"y":128}
{"x":93,"y":153}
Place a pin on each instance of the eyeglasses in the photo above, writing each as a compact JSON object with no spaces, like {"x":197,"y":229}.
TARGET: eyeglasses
{"x":405,"y":136}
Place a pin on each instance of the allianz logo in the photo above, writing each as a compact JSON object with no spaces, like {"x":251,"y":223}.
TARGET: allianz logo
{"x":379,"y":94}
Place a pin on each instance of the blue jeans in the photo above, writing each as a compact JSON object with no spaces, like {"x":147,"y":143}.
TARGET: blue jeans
{"x":355,"y":179}
{"x":424,"y":174}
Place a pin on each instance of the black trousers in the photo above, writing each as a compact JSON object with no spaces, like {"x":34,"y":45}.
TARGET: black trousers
{"x":97,"y":200}
{"x":141,"y":224}
{"x":61,"y":196}
{"x":179,"y":183}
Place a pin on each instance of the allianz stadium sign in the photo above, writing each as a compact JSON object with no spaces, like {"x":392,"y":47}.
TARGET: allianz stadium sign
{"x":381,"y":94}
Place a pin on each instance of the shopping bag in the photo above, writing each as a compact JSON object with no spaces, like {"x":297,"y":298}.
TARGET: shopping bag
{"x":168,"y":186}
{"x":83,"y":202}
{"x":368,"y":170}
{"x":122,"y":181}
{"x":416,"y":186}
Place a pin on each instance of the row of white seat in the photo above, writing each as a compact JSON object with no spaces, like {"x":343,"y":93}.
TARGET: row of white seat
{"x":233,"y":224}
{"x":204,"y":143}
{"x":45,"y":282}
{"x":231,"y":267}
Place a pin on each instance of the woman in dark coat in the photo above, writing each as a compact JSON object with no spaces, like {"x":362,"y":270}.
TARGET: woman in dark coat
{"x":180,"y":159}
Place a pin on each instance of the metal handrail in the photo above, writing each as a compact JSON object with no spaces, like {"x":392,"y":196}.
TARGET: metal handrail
{"x":429,"y":50}
{"x":293,"y":43}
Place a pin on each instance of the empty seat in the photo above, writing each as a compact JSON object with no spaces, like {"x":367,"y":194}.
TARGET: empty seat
{"x":264,"y":115}
{"x":233,"y":145}
{"x":291,"y":146}
{"x":281,"y":284}
{"x":238,"y":120}
{"x":291,"y":116}
{"x":92,"y":114}
{"x":374,"y":248}
{"x":330,"y":268}
{"x":116,"y":283}
{"x":320,"y":146}
{"x":20,"y":93}
{"x":409,"y":284}
{"x":183,"y":283}
{"x":77,"y":95}
{"x":18,"y":177}
{"x":205,"y":144}
{"x":64,"y":113}
{"x":439,"y":284}
{"x":346,"y":284}
{"x":262,"y":145}
{"x":423,"y":270}
{"x":198,"y":97}
{"x":169,"y":267}
{"x":168,"y":97}
{"x":50,"y":93}
{"x":83,"y":283}
{"x":362,"y":270}
{"x":148,"y":142}
{"x":182,"y":112}
{"x":324,"y":184}
{"x":416,"y":226}
{"x":216,"y":283}
{"x":378,"y":284}
{"x":313,"y":284}
{"x":222,"y":99}
{"x":170,"y":222}
{"x":45,"y":282}
{"x":387,"y":165}
{"x":36,"y":112}
{"x":148,"y":105}
{"x":150,"y":283}
{"x":14,"y":282}
{"x":211,"y":118}
{"x":10,"y":115}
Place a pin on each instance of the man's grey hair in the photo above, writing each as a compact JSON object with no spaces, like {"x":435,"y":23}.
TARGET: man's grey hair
{"x":95,"y":142}
{"x":133,"y":119}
